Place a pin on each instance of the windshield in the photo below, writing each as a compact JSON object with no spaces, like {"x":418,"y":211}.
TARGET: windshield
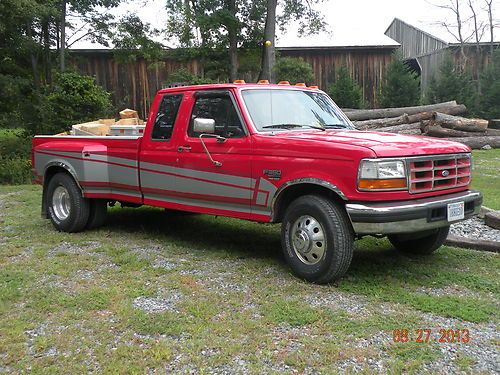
{"x":272,"y":109}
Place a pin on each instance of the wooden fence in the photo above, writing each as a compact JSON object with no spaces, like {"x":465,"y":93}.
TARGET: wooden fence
{"x":134,"y":84}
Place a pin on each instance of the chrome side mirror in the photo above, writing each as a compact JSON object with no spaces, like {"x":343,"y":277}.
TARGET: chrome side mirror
{"x":204,"y":125}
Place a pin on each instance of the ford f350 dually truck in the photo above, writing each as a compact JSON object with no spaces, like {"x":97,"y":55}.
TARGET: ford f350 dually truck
{"x":268,"y":153}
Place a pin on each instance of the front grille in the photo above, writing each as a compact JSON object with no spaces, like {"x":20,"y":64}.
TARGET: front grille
{"x":440,"y":172}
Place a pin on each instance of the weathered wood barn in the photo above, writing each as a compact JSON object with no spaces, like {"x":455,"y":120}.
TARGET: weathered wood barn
{"x":134,"y":84}
{"x":425,"y":53}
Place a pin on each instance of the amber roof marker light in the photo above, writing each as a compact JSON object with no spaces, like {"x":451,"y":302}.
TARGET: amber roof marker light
{"x":239,"y":81}
{"x":314,"y":87}
{"x":300,"y":84}
{"x":263,"y":82}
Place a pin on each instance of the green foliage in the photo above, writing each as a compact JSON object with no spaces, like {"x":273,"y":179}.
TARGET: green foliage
{"x":401,"y":86}
{"x":185,"y":77}
{"x":293,"y":70}
{"x":15,"y":163}
{"x":452,"y":84}
{"x":490,"y":89}
{"x":72,"y":99}
{"x":346,"y":92}
{"x":132,"y":40}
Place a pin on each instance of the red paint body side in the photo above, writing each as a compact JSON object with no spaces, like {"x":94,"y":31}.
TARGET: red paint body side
{"x":131,"y":166}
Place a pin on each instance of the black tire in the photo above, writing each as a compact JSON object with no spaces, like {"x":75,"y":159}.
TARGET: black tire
{"x":98,"y":213}
{"x":78,"y":207}
{"x":423,"y":243}
{"x":333,"y":257}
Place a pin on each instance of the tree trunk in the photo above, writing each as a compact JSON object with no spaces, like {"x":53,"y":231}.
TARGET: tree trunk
{"x":380,"y":123}
{"x":46,"y":52}
{"x":456,"y":110}
{"x":233,"y":42}
{"x":479,"y":142}
{"x":414,"y":128}
{"x":269,"y":51}
{"x":368,"y":114}
{"x":33,"y":59}
{"x":435,"y":130}
{"x":460,"y":123}
{"x":62,"y":50}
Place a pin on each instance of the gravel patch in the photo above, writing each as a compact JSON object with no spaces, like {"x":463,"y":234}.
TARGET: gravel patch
{"x":85,"y":248}
{"x":475,"y":228}
{"x":339,"y":301}
{"x":449,"y":290}
{"x":481,"y":346}
{"x":158,"y":304}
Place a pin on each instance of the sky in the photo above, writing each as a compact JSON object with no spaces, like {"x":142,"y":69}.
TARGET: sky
{"x":350,"y":22}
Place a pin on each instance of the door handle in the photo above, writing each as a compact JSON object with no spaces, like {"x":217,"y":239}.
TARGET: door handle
{"x":183,"y":148}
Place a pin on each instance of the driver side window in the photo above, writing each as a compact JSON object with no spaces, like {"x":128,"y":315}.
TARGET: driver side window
{"x":222,"y":110}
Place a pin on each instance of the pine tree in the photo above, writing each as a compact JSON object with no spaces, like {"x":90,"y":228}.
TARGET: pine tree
{"x":401,"y":87}
{"x":490,"y":84}
{"x":346,"y":92}
{"x":452,"y":84}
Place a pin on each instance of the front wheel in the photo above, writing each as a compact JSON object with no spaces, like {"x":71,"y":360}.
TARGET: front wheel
{"x":317,"y":239}
{"x":68,"y":209}
{"x":423,"y":243}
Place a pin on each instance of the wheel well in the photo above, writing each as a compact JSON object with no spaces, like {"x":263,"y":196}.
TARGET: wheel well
{"x":293,"y":192}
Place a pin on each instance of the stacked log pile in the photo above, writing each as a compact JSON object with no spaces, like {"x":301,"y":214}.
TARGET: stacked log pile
{"x":440,"y":120}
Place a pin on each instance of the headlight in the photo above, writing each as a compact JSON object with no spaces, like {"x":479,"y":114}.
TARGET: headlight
{"x":379,"y":174}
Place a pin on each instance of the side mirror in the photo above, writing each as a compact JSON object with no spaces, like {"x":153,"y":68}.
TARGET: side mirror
{"x":204,"y":125}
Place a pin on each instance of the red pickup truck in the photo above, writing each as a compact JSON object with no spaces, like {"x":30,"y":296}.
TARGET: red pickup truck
{"x":268,"y":153}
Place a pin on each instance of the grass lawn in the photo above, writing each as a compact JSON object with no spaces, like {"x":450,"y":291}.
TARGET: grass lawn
{"x":486,"y":176}
{"x":202,"y":294}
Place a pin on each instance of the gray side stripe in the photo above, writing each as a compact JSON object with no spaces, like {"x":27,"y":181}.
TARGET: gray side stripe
{"x":107,"y":190}
{"x":216,"y":177}
{"x":205,"y":204}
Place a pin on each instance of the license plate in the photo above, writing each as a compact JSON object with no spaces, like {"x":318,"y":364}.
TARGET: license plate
{"x":455,"y":211}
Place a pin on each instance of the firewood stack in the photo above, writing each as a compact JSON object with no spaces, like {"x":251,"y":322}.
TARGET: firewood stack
{"x":435,"y":120}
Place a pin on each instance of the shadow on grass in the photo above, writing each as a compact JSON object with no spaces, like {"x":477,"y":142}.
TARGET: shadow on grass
{"x":243,"y":239}
{"x":219,"y":235}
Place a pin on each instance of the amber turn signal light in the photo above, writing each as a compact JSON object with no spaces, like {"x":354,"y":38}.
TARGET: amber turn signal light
{"x":387,"y":184}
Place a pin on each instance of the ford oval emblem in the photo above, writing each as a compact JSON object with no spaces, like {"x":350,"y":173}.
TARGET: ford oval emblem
{"x":445,"y":173}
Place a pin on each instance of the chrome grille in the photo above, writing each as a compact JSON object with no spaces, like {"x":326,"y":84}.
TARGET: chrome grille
{"x":439,"y":172}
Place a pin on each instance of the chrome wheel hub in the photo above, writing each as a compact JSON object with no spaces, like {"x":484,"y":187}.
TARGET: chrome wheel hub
{"x":308,"y":239}
{"x":61,"y":203}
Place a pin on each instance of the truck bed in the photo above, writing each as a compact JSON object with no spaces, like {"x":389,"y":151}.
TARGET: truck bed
{"x":104,"y":166}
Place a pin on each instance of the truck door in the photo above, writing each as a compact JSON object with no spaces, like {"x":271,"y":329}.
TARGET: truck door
{"x":158,"y":155}
{"x":215,"y":169}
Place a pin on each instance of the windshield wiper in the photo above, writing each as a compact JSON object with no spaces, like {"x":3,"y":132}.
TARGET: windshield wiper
{"x":336,"y":126}
{"x":287,"y":126}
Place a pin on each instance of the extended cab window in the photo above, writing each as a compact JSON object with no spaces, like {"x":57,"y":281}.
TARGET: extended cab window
{"x":222,"y":110}
{"x":165,"y":118}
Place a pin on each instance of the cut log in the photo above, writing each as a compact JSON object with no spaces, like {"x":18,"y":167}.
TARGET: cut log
{"x":381,"y":123}
{"x":479,"y":142}
{"x":460,"y":123}
{"x":435,"y":130}
{"x":494,"y":124}
{"x":402,"y":128}
{"x":369,"y":114}
{"x":457,"y":110}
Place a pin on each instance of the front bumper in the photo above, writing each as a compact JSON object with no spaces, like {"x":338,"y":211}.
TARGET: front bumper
{"x":409,"y":216}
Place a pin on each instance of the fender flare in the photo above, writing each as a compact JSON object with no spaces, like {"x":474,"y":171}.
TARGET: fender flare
{"x":307,"y":180}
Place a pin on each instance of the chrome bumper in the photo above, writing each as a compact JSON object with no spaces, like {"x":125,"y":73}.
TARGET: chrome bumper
{"x":409,"y":216}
